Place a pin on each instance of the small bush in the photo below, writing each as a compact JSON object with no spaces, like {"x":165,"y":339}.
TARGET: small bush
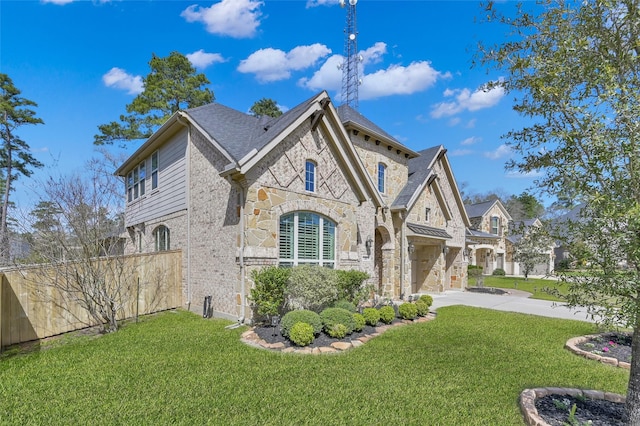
{"x":408,"y":311}
{"x":427,"y":299}
{"x":302,"y":315}
{"x":371,"y":316}
{"x":350,"y":285}
{"x":301,"y":334}
{"x":422,"y":308}
{"x":267,"y":296}
{"x":333,"y":316}
{"x":337,"y":331}
{"x":311,"y":287}
{"x":387,"y":314}
{"x":359,"y":321}
{"x":345,"y":304}
{"x":498,"y":271}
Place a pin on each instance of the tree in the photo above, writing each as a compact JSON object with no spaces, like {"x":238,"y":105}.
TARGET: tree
{"x":171,"y":85}
{"x":574,"y":70}
{"x":532,"y":248}
{"x":266,"y":107}
{"x":15,"y":155}
{"x":524,"y":206}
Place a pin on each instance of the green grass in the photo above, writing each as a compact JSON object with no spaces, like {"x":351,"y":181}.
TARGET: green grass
{"x":535,"y":286}
{"x":467,"y":367}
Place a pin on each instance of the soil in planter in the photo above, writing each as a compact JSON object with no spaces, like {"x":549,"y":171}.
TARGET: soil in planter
{"x":613,"y":345}
{"x":555,"y":410}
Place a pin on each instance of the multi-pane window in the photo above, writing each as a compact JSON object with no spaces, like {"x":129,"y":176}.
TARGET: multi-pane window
{"x":307,"y":238}
{"x":381,"y":172}
{"x":161,"y":235}
{"x":136,"y":182}
{"x":495,"y":224}
{"x":154,"y":170}
{"x":310,"y":176}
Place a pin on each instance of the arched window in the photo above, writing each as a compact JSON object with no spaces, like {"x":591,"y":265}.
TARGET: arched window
{"x":161,"y":234}
{"x":307,"y":238}
{"x":310,"y":176}
{"x":381,"y":176}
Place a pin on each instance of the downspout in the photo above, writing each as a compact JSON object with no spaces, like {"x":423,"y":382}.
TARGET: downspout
{"x":188,"y":183}
{"x":402,"y":255}
{"x":241,"y":258}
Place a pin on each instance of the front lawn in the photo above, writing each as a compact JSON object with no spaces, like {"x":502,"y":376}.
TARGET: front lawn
{"x":535,"y":286}
{"x":468,"y":366}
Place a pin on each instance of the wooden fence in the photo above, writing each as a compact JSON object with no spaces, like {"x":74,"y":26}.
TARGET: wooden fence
{"x":34,"y":306}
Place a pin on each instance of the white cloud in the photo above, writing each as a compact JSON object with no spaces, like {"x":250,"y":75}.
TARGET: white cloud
{"x":471,"y":124}
{"x":399,"y":80}
{"x":502,"y":151}
{"x":120,"y":79}
{"x":63,"y":2}
{"x":328,"y":77}
{"x":454,"y":121}
{"x":315,"y":3}
{"x":528,"y":175}
{"x":459,"y":152}
{"x":274,"y":64}
{"x":233,"y":18}
{"x":466,"y":100}
{"x":470,"y":141}
{"x":202,"y":59}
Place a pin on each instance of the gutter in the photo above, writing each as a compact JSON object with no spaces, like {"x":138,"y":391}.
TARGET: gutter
{"x":241,"y":258}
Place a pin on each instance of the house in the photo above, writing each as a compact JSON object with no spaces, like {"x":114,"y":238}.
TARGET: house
{"x":545,"y":255}
{"x":487,"y":235}
{"x":318,"y":185}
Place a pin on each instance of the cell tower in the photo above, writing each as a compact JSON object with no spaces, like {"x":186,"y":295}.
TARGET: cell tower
{"x":350,"y":76}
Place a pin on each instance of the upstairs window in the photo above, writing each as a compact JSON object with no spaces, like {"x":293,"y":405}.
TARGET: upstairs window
{"x":381,"y":177}
{"x":162,"y":237}
{"x":154,"y":170}
{"x":427,"y":213}
{"x":307,"y":238}
{"x":136,"y":182}
{"x":310,"y":176}
{"x":495,"y":225}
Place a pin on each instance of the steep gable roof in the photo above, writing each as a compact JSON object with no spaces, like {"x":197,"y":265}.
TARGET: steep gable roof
{"x":419,"y":171}
{"x":480,"y":209}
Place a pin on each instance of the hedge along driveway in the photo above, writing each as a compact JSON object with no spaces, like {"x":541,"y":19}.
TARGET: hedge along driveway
{"x":468,"y":366}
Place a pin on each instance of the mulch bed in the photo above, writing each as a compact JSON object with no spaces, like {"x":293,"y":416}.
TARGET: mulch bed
{"x":555,"y":409}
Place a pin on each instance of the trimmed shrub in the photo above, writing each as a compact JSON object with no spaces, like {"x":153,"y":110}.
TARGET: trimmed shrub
{"x":408,"y":311}
{"x":498,"y":271}
{"x":302,"y":315}
{"x":350,"y":285}
{"x":311,"y":287}
{"x":359,"y":321}
{"x":337,"y":331}
{"x":333,"y":316}
{"x":387,"y":314}
{"x":422,"y":308}
{"x":427,"y":299}
{"x":301,"y":334}
{"x":345,"y":304}
{"x":371,"y":316}
{"x":267,"y":296}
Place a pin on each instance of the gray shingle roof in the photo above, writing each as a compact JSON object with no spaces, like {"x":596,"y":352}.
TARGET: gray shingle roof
{"x":479,"y":209}
{"x":240,"y":133}
{"x":348,"y":114}
{"x":480,"y":234}
{"x":428,"y":231}
{"x":418,"y":172}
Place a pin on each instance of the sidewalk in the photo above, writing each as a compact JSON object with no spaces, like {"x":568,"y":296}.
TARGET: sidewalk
{"x":516,"y":301}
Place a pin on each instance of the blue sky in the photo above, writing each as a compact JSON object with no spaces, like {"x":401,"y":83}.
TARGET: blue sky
{"x":82,"y":62}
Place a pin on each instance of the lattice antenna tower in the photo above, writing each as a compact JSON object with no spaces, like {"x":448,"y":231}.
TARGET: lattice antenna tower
{"x":351,"y":60}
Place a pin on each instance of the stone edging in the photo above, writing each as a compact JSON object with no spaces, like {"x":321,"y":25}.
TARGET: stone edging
{"x":528,"y":397}
{"x":572,"y":345}
{"x":251,"y":338}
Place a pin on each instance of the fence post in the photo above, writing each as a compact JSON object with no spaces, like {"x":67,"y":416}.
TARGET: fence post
{"x":137,"y":297}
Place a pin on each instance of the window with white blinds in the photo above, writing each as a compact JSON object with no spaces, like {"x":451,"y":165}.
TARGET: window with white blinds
{"x":307,"y":238}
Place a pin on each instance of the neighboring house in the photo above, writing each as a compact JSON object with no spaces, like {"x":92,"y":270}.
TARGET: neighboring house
{"x":317,"y":185}
{"x":518,"y":230}
{"x":487,"y":235}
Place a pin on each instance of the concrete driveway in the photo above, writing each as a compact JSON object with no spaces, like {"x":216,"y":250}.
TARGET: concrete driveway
{"x":516,"y":301}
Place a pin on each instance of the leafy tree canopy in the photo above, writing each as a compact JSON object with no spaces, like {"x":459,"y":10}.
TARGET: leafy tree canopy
{"x":266,"y":107}
{"x":524,"y":206}
{"x":172,"y":84}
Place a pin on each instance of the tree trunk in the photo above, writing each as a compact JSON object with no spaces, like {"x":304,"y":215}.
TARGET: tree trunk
{"x":4,"y":229}
{"x":633,"y":391}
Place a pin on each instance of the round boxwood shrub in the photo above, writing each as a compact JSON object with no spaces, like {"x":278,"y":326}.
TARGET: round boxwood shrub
{"x":360,"y":322}
{"x":498,"y":271}
{"x":345,"y":304}
{"x":371,"y":316}
{"x":333,"y":316}
{"x":337,"y":331}
{"x":301,"y":334}
{"x":387,"y":314}
{"x":428,"y":299}
{"x":301,"y":315}
{"x":408,"y":311}
{"x":422,"y":307}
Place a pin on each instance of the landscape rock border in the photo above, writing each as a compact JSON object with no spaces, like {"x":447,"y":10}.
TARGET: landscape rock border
{"x":572,"y":345}
{"x":251,"y":338}
{"x":528,"y":400}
